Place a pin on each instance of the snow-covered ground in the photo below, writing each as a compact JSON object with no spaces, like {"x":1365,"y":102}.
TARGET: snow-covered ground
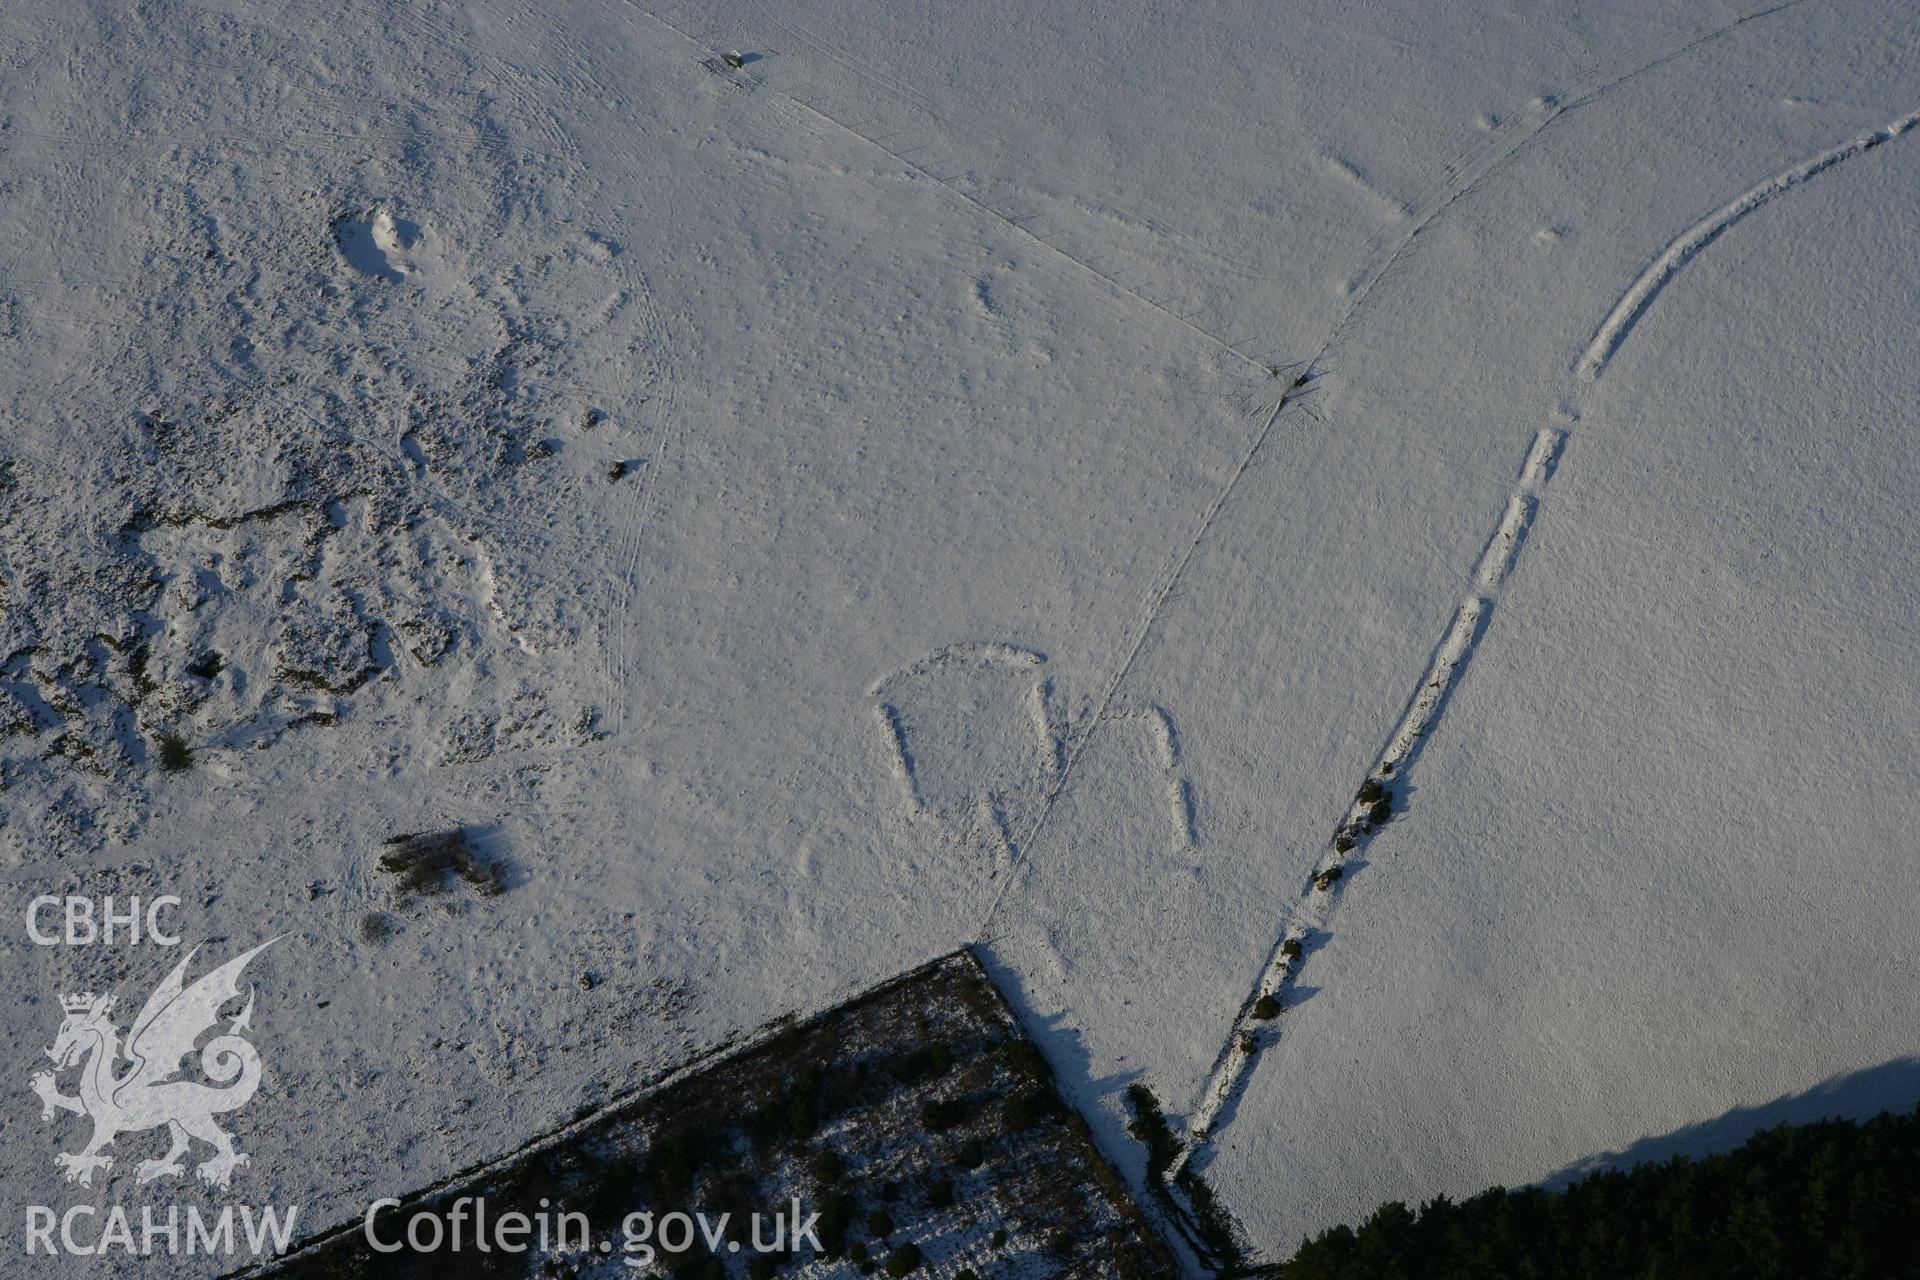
{"x":808,"y":517}
{"x":1657,"y":864}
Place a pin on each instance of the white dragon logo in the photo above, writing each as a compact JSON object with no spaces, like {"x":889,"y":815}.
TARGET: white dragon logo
{"x":147,"y":1095}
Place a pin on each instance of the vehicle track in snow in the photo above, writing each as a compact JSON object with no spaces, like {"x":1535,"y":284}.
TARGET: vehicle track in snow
{"x":1456,"y":180}
{"x":646,"y":504}
{"x":859,"y":129}
{"x":986,"y":142}
{"x":1213,"y":1108}
{"x":1387,"y":248}
{"x":1505,"y":141}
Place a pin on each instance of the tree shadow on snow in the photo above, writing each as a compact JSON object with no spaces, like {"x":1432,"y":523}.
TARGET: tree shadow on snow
{"x":1066,"y":1052}
{"x":1857,"y":1095}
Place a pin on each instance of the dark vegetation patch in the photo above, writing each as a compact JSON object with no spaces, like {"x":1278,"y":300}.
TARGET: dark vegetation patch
{"x":1209,"y":1226}
{"x":87,"y":591}
{"x":377,"y":927}
{"x":430,"y":862}
{"x":917,"y":1120}
{"x":1808,"y":1202}
{"x":173,"y":753}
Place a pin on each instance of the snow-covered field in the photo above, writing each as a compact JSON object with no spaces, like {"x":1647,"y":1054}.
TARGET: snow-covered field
{"x":810,"y":516}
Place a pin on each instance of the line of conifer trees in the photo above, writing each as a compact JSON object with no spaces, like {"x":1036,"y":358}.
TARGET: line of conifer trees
{"x":1833,"y":1200}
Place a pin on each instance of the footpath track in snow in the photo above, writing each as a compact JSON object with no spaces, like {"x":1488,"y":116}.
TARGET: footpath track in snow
{"x":1670,"y":261}
{"x":1311,"y":915}
{"x":1254,"y":1027}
